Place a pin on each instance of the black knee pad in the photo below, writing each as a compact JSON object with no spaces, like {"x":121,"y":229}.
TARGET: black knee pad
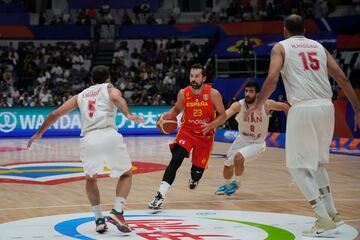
{"x":196,"y":173}
{"x":178,"y":155}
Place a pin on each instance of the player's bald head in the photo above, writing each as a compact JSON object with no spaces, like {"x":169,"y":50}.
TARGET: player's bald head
{"x":294,"y":24}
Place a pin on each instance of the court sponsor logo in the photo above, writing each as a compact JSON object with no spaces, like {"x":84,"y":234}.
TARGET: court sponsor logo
{"x":7,"y":122}
{"x":57,"y":172}
{"x":173,"y":225}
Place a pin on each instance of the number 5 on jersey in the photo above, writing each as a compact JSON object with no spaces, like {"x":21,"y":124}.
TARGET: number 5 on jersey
{"x":91,"y":108}
{"x":311,"y":57}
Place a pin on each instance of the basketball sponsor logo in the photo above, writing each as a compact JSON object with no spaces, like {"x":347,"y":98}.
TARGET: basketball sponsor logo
{"x":7,"y":122}
{"x":173,"y":225}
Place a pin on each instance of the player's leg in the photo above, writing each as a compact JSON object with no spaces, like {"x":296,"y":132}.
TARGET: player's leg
{"x":326,"y":130}
{"x":116,"y":215}
{"x":302,"y":160}
{"x":233,"y":185}
{"x":244,"y":151}
{"x":200,"y":158}
{"x":93,"y":195}
{"x":178,"y":153}
{"x":118,"y":160}
{"x":306,"y":181}
{"x":322,"y":179}
{"x":92,"y":165}
{"x":228,"y":173}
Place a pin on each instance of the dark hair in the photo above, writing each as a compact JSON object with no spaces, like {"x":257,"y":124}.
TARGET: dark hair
{"x":100,"y":74}
{"x":253,"y":85}
{"x":198,"y":66}
{"x":294,"y":24}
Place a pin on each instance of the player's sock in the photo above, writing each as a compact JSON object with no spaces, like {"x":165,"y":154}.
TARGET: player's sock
{"x":164,"y":188}
{"x":119,"y":204}
{"x":323,"y":181}
{"x":320,"y":209}
{"x":237,"y":179}
{"x":227,"y":181}
{"x":97,"y":211}
{"x":328,"y":201}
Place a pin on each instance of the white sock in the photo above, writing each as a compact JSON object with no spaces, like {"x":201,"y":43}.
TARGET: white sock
{"x":320,"y":209}
{"x":164,"y":188}
{"x":237,"y":179}
{"x":97,"y":211}
{"x":119,"y":204}
{"x":227,"y":181}
{"x":328,"y":201}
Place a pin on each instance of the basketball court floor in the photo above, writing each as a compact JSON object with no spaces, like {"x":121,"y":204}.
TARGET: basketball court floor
{"x":43,"y":195}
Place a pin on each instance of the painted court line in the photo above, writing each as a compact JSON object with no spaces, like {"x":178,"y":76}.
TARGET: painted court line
{"x":175,"y":202}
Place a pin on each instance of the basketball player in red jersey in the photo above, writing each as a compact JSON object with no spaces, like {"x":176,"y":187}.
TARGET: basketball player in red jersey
{"x":199,"y":103}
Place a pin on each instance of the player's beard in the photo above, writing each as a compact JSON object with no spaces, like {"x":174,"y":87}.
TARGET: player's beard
{"x":249,"y":100}
{"x":195,"y":85}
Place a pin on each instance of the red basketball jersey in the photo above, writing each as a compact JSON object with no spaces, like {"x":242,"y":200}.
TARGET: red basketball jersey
{"x":198,"y":110}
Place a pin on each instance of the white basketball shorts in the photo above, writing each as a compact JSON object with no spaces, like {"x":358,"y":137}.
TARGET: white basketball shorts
{"x":104,"y":147}
{"x":249,"y":150}
{"x":309,"y":132}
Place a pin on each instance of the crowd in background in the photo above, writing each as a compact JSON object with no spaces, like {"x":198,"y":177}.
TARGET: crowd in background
{"x":47,"y":75}
{"x":149,"y":74}
{"x":44,"y":75}
{"x":153,"y":74}
{"x":233,"y":11}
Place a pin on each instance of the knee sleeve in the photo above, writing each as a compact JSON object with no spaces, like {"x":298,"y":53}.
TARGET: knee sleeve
{"x":196,"y":173}
{"x":322,"y":177}
{"x":306,"y":182}
{"x":178,"y":155}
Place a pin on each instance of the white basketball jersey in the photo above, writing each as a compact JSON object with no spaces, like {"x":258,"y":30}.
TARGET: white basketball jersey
{"x":304,"y":73}
{"x":255,"y":127}
{"x":97,"y":110}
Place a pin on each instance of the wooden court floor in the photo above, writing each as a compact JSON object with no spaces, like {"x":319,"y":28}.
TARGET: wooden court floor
{"x":266,"y":185}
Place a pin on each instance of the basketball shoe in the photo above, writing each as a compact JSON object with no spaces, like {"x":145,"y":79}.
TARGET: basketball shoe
{"x":193,"y":184}
{"x":118,"y":220}
{"x":157,"y":202}
{"x":231,"y":188}
{"x":323,"y":227}
{"x":220,"y":190}
{"x":101,"y":226}
{"x":336,"y":219}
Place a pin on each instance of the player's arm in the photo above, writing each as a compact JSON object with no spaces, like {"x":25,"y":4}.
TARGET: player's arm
{"x":339,"y":76}
{"x":276,"y":64}
{"x":179,"y":105}
{"x":120,"y":103}
{"x":66,"y":107}
{"x":271,"y":105}
{"x":235,"y":107}
{"x":219,"y":108}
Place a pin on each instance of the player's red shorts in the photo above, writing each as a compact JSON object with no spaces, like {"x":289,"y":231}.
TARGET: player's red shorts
{"x":201,"y":147}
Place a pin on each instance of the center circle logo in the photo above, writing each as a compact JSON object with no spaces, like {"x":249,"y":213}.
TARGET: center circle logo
{"x":7,"y":122}
{"x":173,"y":224}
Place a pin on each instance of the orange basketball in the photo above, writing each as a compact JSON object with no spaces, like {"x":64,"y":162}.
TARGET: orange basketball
{"x":166,"y":123}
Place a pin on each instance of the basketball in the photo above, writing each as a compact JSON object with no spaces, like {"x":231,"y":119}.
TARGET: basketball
{"x":166,"y":123}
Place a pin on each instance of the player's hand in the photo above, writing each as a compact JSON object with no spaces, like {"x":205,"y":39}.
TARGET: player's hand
{"x":134,"y":118}
{"x":207,"y":127}
{"x":357,"y":121}
{"x":32,"y":139}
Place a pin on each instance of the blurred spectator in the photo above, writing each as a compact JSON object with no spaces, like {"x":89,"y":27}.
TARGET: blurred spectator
{"x":145,"y":7}
{"x":136,"y":9}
